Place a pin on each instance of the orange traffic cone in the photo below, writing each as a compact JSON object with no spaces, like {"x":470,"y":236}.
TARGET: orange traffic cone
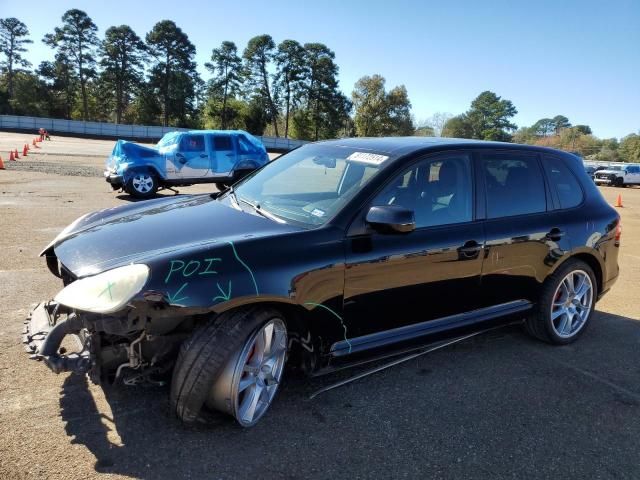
{"x":1,"y":164}
{"x":15,"y":154}
{"x":619,"y":202}
{"x":35,"y":143}
{"x":25,"y":150}
{"x":11,"y":156}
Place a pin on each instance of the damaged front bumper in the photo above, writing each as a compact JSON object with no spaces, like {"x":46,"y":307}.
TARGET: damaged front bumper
{"x":45,"y":328}
{"x":116,"y":181}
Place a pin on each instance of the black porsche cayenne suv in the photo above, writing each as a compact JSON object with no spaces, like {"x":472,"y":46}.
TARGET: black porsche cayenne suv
{"x":336,"y":251}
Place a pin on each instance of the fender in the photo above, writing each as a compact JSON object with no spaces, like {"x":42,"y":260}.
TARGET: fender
{"x":596,"y":262}
{"x":234,"y":273}
{"x":148,"y":168}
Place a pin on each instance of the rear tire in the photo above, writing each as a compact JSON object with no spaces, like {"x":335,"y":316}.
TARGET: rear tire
{"x":566,"y":304}
{"x":204,"y":355}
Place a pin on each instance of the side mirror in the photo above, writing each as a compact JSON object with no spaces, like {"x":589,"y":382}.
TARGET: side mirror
{"x":391,"y":218}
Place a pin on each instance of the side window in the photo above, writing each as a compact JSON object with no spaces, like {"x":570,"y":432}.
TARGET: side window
{"x":192,"y":143}
{"x":244,"y":145}
{"x":563,"y":182}
{"x":222,"y":143}
{"x":515,"y":185}
{"x":437,"y":189}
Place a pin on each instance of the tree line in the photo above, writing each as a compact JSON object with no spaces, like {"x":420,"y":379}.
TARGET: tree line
{"x":489,"y":118}
{"x":287,"y":89}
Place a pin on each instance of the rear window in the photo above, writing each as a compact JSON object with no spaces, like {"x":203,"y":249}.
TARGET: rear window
{"x":515,"y":185}
{"x":222,"y":143}
{"x":563,"y":181}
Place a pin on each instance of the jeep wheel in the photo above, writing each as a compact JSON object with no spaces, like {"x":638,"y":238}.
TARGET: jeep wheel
{"x":142,"y":185}
{"x":233,"y":364}
{"x":619,"y":182}
{"x":566,"y":304}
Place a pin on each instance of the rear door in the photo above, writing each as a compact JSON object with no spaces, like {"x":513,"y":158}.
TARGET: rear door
{"x":525,"y":235}
{"x":223,"y":153}
{"x":192,"y":159}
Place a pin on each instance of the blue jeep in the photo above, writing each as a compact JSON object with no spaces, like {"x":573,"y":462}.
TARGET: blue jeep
{"x":184,"y":158}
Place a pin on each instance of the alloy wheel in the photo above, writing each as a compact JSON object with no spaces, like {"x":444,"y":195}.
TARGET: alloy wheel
{"x":142,"y":182}
{"x":250,"y":380}
{"x":572,"y":303}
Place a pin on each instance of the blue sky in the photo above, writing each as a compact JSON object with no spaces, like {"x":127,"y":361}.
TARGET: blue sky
{"x":576,"y":58}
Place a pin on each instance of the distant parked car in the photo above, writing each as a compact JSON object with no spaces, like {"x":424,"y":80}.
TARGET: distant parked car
{"x":618,"y":175}
{"x":591,"y":171}
{"x":184,"y":158}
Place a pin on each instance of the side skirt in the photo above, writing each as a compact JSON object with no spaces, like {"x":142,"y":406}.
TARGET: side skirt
{"x":415,"y":331}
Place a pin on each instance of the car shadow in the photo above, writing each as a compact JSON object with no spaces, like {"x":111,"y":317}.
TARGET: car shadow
{"x":163,"y":194}
{"x":130,"y":198}
{"x":483,"y":393}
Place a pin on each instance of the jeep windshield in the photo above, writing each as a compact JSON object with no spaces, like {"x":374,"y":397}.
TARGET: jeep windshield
{"x":310,"y":185}
{"x":170,"y":140}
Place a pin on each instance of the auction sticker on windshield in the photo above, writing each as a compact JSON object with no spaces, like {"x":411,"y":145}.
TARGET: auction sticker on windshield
{"x":369,"y":158}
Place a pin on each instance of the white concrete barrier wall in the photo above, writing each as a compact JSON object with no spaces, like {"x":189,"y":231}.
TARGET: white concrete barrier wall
{"x":54,"y":125}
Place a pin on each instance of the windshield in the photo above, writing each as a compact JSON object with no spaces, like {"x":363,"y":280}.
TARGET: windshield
{"x":615,"y":167}
{"x":171,"y":138}
{"x":311,"y":184}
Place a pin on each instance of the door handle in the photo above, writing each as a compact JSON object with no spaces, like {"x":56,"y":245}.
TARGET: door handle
{"x":554,"y":234}
{"x":230,"y":154}
{"x":470,"y":249}
{"x":203,"y":155}
{"x":182,"y":160}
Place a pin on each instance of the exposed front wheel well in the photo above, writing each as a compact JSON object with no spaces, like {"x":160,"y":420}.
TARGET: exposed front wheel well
{"x":303,"y":351}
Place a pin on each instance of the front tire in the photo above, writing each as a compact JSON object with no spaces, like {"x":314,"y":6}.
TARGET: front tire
{"x":566,"y":304}
{"x":234,"y":364}
{"x":142,"y":185}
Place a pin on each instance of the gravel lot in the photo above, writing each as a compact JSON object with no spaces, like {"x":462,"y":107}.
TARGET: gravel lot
{"x":500,"y":406}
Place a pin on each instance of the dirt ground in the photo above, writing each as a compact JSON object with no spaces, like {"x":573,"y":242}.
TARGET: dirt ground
{"x":501,"y":406}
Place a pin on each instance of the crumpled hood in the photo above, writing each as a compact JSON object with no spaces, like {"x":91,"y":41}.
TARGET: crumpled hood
{"x":124,"y":151}
{"x":118,"y":236}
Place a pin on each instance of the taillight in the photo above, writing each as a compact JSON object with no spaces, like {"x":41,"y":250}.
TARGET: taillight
{"x":618,"y":232}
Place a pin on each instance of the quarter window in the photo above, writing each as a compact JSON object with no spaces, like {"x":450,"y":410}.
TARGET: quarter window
{"x":514,"y":183}
{"x":244,"y":145}
{"x":563,"y":182}
{"x":438,"y":190}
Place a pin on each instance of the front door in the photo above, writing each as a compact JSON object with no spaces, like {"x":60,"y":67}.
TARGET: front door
{"x":192,"y":159}
{"x":223,"y":154}
{"x":423,"y":279}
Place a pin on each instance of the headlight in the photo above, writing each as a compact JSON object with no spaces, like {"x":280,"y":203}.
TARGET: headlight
{"x":106,"y":292}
